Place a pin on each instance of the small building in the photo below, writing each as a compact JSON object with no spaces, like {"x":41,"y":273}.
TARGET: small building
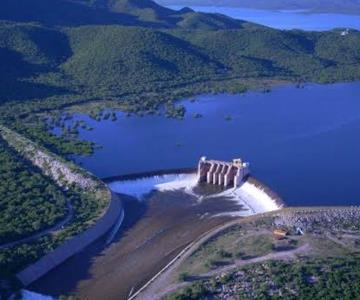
{"x":280,"y":234}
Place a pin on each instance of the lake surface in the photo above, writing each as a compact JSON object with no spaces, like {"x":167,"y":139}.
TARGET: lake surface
{"x":285,"y":19}
{"x":302,"y":142}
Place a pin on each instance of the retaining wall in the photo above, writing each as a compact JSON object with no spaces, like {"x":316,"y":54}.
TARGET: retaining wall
{"x":73,"y":245}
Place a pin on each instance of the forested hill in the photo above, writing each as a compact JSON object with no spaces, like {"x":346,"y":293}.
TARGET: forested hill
{"x":145,"y":13}
{"x":109,"y":61}
{"x":59,"y":50}
{"x":134,"y":55}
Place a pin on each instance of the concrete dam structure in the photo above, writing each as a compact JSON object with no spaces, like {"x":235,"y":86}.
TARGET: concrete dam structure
{"x":226,"y":174}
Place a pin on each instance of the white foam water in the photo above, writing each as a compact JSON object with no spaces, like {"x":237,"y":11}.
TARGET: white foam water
{"x":251,"y":199}
{"x":141,"y":187}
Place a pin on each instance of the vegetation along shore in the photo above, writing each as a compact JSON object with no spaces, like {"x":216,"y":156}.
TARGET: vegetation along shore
{"x":139,"y":56}
{"x":136,"y":56}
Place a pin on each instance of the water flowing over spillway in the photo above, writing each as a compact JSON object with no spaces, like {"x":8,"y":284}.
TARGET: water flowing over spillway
{"x":162,"y":214}
{"x":142,"y":186}
{"x":293,"y":137}
{"x":251,"y":198}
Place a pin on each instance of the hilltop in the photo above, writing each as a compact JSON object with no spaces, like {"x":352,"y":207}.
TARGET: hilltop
{"x":110,"y":61}
{"x":328,"y":6}
{"x":136,"y":55}
{"x":144,"y":13}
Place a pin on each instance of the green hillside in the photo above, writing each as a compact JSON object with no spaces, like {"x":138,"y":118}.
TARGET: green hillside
{"x":145,"y":13}
{"x":308,"y":56}
{"x":73,"y":52}
{"x":194,"y":20}
{"x":27,"y":51}
{"x":133,"y":55}
{"x":112,"y":60}
{"x":58,"y":12}
{"x":130,"y":59}
{"x":29,"y":202}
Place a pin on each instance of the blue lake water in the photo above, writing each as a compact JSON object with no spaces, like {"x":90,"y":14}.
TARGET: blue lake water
{"x":285,"y":19}
{"x":303,"y":142}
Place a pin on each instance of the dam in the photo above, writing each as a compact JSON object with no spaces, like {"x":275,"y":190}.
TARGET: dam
{"x":226,"y":174}
{"x":165,"y":211}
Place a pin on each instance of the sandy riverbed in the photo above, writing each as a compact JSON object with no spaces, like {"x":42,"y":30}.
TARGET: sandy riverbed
{"x":162,"y":215}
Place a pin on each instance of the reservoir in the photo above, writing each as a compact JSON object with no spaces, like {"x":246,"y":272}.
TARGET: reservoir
{"x":284,"y":19}
{"x":302,"y":142}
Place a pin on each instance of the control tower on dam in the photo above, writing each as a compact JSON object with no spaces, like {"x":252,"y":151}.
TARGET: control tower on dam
{"x":227,"y":174}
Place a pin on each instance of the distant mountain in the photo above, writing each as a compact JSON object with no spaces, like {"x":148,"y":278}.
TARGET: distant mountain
{"x":132,"y":6}
{"x":100,"y":61}
{"x":139,"y":56}
{"x":336,"y":6}
{"x":88,"y":48}
{"x":144,"y":13}
{"x":195,"y":20}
